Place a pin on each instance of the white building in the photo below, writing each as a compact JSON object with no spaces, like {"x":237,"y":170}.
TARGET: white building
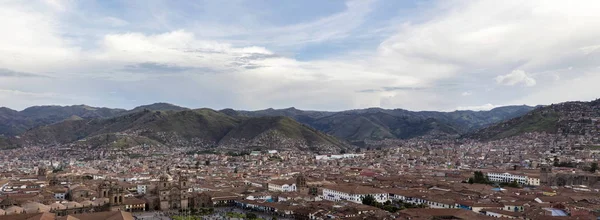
{"x":507,"y":178}
{"x":511,"y":177}
{"x":353,"y":193}
{"x":142,"y":189}
{"x":339,"y":156}
{"x":533,"y":181}
{"x":60,"y":195}
{"x":282,"y":186}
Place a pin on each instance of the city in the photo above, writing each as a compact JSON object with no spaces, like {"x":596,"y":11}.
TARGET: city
{"x":299,"y":110}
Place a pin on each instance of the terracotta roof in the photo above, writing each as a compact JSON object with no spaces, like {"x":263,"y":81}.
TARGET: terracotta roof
{"x":35,"y":207}
{"x":13,"y":210}
{"x":133,"y":201}
{"x":430,"y":213}
{"x":57,"y":206}
{"x":30,"y":216}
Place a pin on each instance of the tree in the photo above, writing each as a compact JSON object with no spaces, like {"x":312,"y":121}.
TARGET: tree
{"x":471,"y":181}
{"x":594,"y":167}
{"x":556,"y":161}
{"x":369,"y":200}
{"x":343,"y":151}
{"x":235,"y":170}
{"x":514,"y":184}
{"x":197,"y":164}
{"x":251,"y":216}
{"x":207,"y":163}
{"x":479,"y":177}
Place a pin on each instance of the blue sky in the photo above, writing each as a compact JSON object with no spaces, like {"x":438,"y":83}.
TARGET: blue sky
{"x":322,"y":55}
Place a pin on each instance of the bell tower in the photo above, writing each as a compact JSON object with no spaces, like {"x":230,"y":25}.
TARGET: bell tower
{"x":300,"y":181}
{"x":115,"y":195}
{"x":545,"y":174}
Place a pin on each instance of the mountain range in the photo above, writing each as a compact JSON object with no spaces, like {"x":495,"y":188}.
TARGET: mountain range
{"x":167,"y":124}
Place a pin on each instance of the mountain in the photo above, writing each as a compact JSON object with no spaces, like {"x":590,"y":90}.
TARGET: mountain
{"x":377,"y":123}
{"x":16,"y":122}
{"x":352,"y":125}
{"x":278,"y":132}
{"x":160,"y":106}
{"x":193,"y":128}
{"x":578,"y":118}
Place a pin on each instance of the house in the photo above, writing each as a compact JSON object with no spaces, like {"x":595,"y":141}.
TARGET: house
{"x":498,"y":213}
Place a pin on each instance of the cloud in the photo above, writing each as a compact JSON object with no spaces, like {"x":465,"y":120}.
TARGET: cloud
{"x":164,"y":47}
{"x":150,"y":67}
{"x":515,"y":77}
{"x":10,"y":73}
{"x":485,"y":107}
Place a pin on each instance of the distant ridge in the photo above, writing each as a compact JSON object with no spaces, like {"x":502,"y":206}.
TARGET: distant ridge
{"x":201,"y":128}
{"x":352,"y":125}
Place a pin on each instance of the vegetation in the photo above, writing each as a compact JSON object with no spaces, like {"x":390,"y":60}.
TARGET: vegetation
{"x":235,"y":215}
{"x":539,"y":120}
{"x":594,"y":167}
{"x":388,"y":205}
{"x":156,"y":128}
{"x":479,"y":177}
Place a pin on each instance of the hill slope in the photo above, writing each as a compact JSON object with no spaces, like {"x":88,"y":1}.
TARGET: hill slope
{"x":377,"y":123}
{"x":579,"y":118}
{"x":16,"y":122}
{"x":361,"y":124}
{"x":191,"y":128}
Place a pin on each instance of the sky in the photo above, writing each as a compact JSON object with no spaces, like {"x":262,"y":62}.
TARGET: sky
{"x":312,"y":54}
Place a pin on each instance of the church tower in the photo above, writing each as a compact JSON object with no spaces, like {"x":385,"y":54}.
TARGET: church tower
{"x":545,"y":174}
{"x":183,"y":187}
{"x":300,"y":181}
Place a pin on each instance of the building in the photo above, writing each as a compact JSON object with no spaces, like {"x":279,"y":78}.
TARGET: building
{"x":507,"y":178}
{"x":142,"y":189}
{"x":173,"y":195}
{"x":533,"y":181}
{"x":113,"y":191}
{"x":353,"y":193}
{"x":282,"y":186}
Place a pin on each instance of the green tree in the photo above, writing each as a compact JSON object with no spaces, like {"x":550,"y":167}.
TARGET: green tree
{"x":479,"y":177}
{"x":594,"y":167}
{"x":251,"y":216}
{"x":369,"y":200}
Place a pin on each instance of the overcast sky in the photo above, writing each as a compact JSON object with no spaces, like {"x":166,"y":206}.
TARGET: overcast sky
{"x":321,"y":55}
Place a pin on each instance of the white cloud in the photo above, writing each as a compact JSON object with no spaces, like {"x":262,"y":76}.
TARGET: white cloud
{"x":515,"y":77}
{"x":466,"y":43}
{"x":477,"y":107}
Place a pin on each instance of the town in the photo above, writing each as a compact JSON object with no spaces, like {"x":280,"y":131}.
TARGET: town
{"x":535,"y":176}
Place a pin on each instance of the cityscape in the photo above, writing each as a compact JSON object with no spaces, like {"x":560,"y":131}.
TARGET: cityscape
{"x":299,"y":110}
